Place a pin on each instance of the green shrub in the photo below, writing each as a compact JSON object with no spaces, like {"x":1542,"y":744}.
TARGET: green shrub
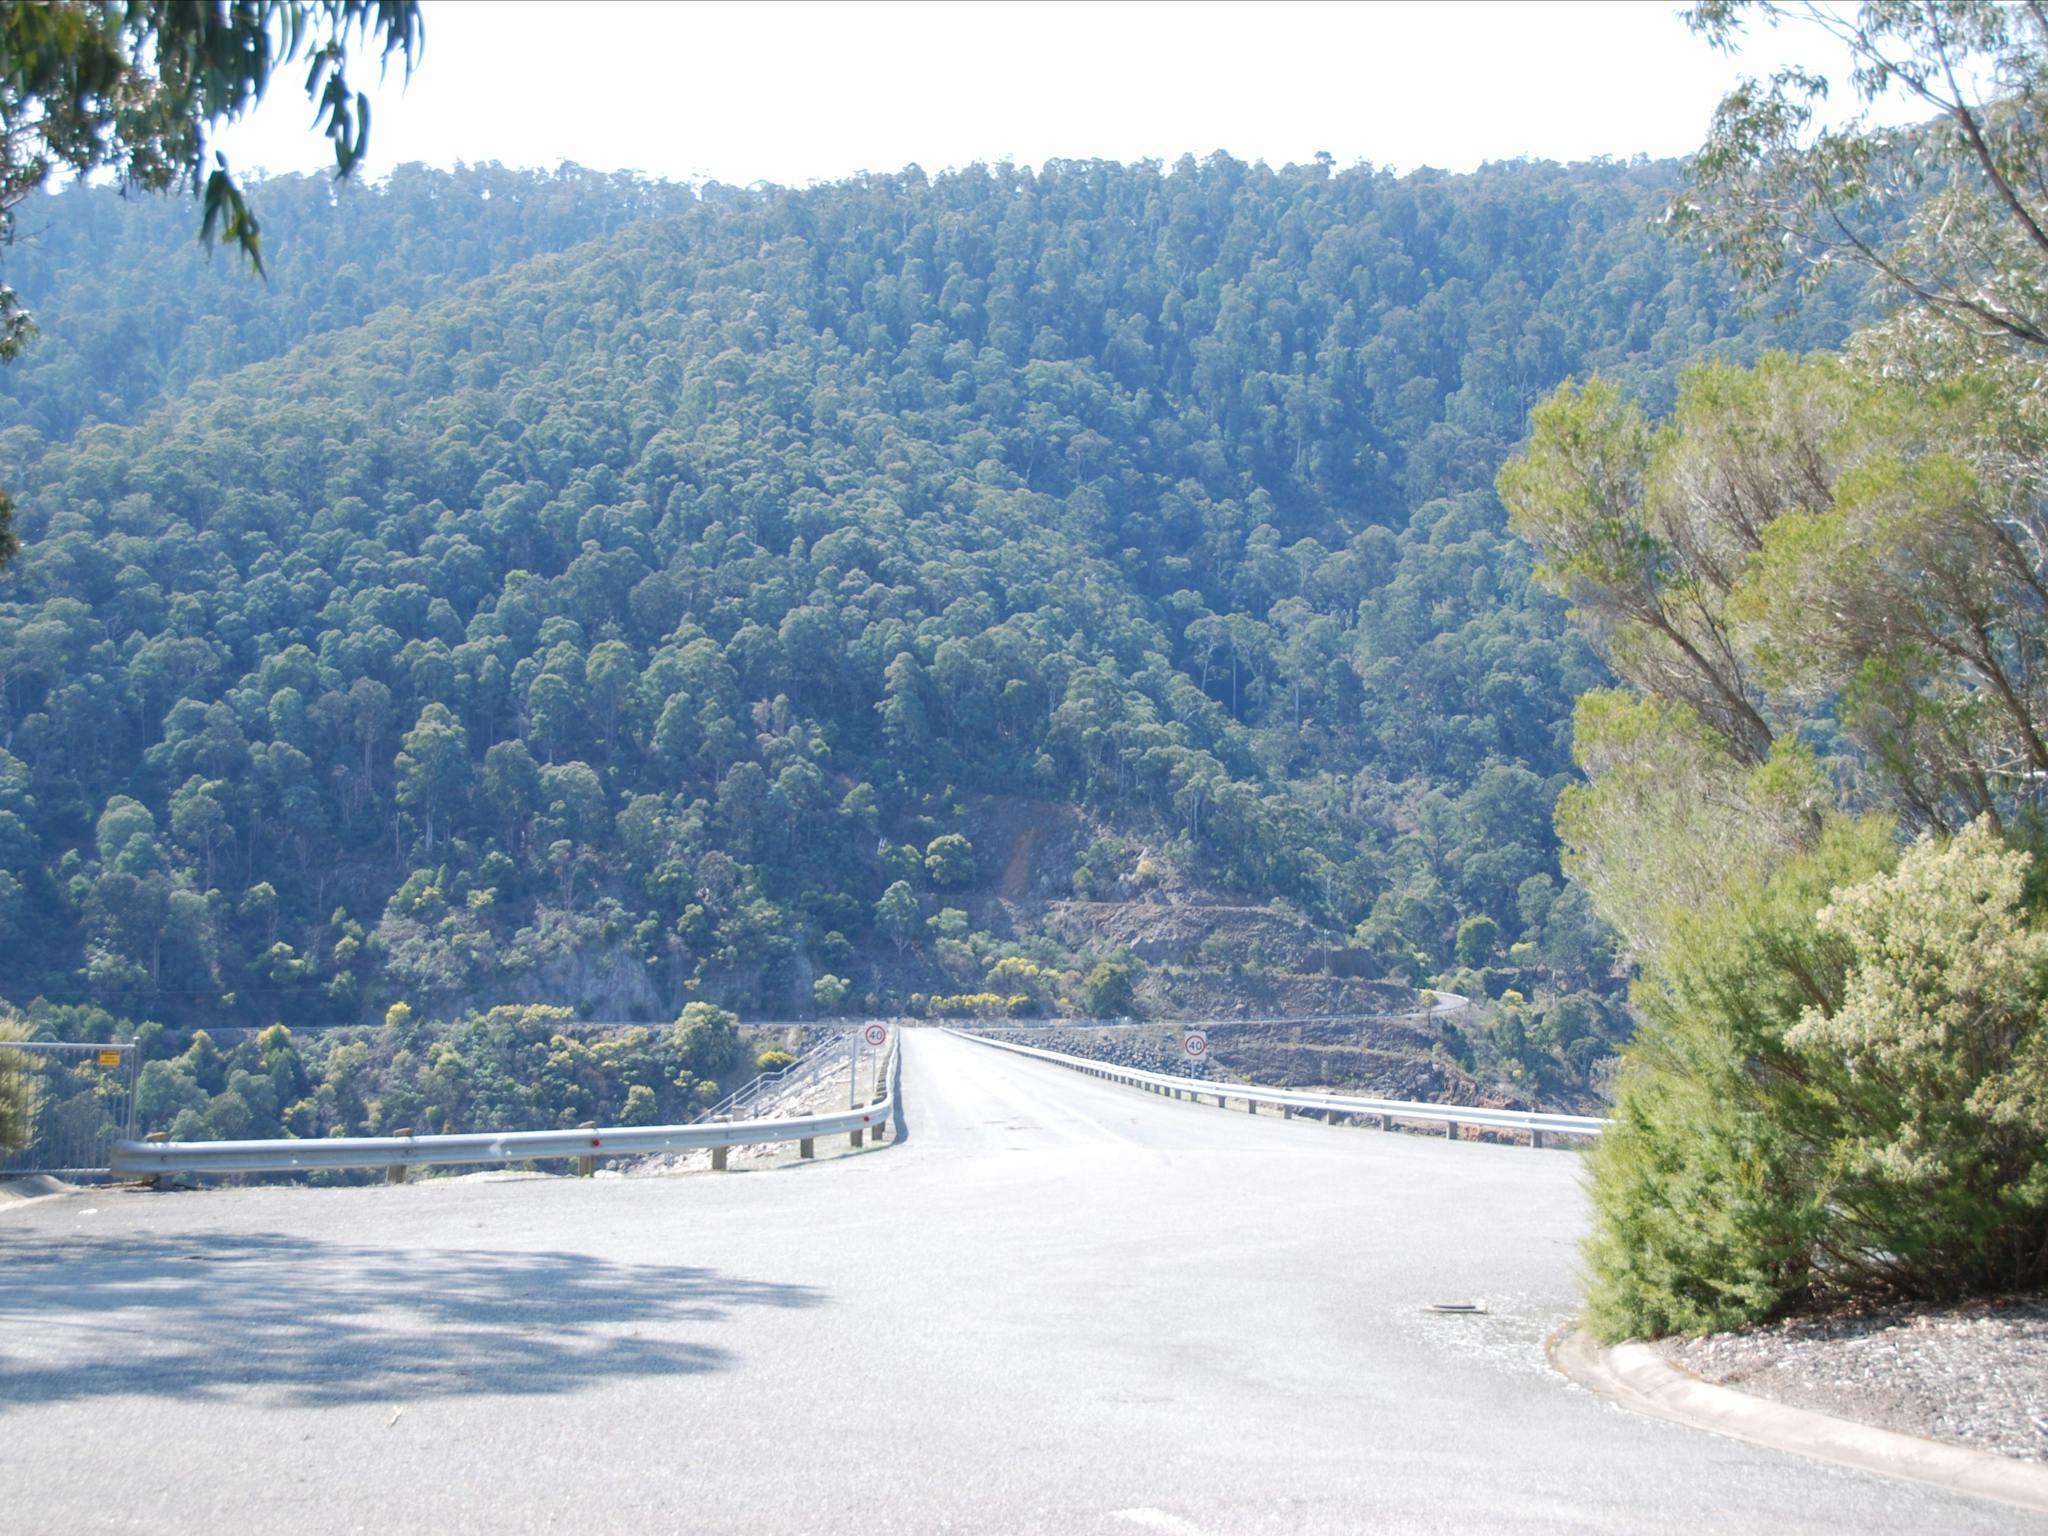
{"x":1839,"y":1090}
{"x":1706,"y":1201}
{"x":1940,"y":1165}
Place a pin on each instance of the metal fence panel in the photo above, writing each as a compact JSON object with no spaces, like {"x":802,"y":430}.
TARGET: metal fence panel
{"x":81,"y":1100}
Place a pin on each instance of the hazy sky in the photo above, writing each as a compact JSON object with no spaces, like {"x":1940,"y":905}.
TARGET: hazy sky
{"x":797,"y":92}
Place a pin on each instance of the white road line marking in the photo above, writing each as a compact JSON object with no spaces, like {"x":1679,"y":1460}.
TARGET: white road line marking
{"x":1157,"y":1520}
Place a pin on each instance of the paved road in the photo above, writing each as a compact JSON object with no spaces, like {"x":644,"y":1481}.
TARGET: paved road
{"x":1058,"y":1305}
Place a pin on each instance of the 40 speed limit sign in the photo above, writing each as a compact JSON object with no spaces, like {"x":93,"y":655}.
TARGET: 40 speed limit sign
{"x":875,"y":1034}
{"x":1194,"y":1045}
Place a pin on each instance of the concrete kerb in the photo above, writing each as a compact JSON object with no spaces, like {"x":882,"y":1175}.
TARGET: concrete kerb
{"x":1638,"y":1377}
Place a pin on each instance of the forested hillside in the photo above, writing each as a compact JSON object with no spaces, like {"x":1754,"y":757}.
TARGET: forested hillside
{"x":559,"y":589}
{"x":132,"y":309}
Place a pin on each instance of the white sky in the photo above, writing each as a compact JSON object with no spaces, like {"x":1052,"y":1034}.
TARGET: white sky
{"x":794,"y":92}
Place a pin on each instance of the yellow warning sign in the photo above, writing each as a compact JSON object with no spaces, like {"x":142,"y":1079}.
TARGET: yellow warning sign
{"x":110,"y":1058}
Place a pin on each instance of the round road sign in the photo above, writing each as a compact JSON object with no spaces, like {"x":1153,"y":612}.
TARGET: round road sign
{"x":1195,"y":1044}
{"x":875,"y":1034}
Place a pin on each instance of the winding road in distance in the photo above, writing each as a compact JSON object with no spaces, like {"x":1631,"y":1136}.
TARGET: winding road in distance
{"x":1057,"y":1305}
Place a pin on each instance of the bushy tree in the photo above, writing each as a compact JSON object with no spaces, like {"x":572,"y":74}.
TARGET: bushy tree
{"x":1947,"y":214}
{"x":138,"y":89}
{"x":1478,"y":938}
{"x":640,"y":1107}
{"x":17,"y":1086}
{"x":706,"y":1041}
{"x":949,"y":861}
{"x":1109,"y":990}
{"x":897,"y":913}
{"x":1824,"y":578}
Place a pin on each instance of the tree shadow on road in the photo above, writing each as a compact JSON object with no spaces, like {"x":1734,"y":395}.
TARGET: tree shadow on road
{"x":305,"y":1322}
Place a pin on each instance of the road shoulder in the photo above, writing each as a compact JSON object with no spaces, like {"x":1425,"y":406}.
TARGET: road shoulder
{"x":1636,"y":1376}
{"x":22,"y":1189}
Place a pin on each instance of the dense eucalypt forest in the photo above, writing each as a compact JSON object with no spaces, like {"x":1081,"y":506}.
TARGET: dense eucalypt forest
{"x":558,"y":589}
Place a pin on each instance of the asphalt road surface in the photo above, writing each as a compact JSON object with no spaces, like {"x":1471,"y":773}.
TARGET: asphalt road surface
{"x":1056,"y":1305}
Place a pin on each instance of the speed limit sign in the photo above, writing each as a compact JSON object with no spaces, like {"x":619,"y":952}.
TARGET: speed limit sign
{"x":875,"y":1034}
{"x":1194,"y":1045}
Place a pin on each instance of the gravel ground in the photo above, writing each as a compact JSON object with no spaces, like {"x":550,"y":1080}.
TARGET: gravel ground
{"x":1974,"y":1375}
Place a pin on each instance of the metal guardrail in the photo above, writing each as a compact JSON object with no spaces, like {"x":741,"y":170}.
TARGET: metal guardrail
{"x":401,"y":1153}
{"x":1535,"y":1123}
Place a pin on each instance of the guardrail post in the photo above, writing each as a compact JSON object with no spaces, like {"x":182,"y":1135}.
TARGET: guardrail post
{"x":804,"y":1148}
{"x":586,"y":1165}
{"x":1386,"y":1122}
{"x":1286,"y":1111}
{"x":153,"y":1180}
{"x":718,"y":1158}
{"x":1451,"y":1130}
{"x":396,"y":1172}
{"x":856,"y":1136}
{"x":1251,"y":1106}
{"x":1536,"y":1140}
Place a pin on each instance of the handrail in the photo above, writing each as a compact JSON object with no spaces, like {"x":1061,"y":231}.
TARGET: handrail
{"x":1536,"y":1122}
{"x":400,"y":1152}
{"x":781,"y":1077}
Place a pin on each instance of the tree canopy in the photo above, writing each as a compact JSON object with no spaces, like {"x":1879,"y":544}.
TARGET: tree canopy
{"x":136,"y":89}
{"x":1813,"y":809}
